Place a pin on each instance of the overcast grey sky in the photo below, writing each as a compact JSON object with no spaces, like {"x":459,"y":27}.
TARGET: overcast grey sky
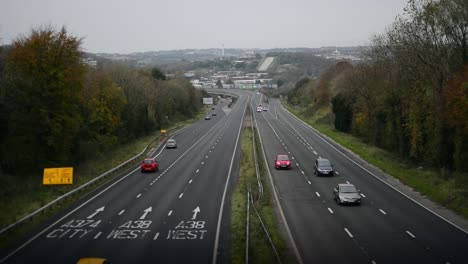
{"x":126,"y":26}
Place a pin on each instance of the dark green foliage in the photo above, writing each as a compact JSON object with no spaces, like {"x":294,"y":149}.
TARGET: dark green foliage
{"x":343,"y":113}
{"x":158,"y":74}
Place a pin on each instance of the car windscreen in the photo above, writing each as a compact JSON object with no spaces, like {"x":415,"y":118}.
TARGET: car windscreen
{"x":284,"y":157}
{"x":348,"y":189}
{"x":147,"y":161}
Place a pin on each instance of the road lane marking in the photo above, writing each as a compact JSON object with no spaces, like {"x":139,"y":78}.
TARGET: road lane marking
{"x":302,"y":171}
{"x":330,"y":210}
{"x":121,"y":212}
{"x":309,"y":182}
{"x":197,"y":170}
{"x":382,"y":211}
{"x":318,"y":194}
{"x":348,"y":182}
{"x":363,"y":195}
{"x":138,"y":196}
{"x":337,"y":173}
{"x":190,"y":181}
{"x":180,"y":196}
{"x":293,"y":157}
{"x":320,"y":157}
{"x":156,"y":236}
{"x":410,"y":234}
{"x":202,"y":163}
{"x":170,"y":212}
{"x":349,"y":233}
{"x":97,"y":235}
{"x":315,"y":152}
{"x":373,"y":262}
{"x":206,"y":157}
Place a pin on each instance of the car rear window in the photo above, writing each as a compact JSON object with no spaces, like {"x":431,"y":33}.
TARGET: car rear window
{"x":348,"y":189}
{"x":324,"y":163}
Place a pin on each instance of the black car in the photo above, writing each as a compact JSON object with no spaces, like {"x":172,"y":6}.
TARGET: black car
{"x":346,"y":193}
{"x":323,"y":167}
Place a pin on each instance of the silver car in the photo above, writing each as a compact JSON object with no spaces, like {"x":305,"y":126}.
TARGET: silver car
{"x":171,"y":143}
{"x":346,"y":193}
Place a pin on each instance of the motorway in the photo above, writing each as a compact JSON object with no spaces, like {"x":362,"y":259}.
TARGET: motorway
{"x":172,"y":216}
{"x":180,"y":213}
{"x":387,"y":228}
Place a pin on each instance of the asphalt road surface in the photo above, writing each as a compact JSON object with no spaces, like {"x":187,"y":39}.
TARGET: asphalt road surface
{"x":171,"y":216}
{"x":387,"y":228}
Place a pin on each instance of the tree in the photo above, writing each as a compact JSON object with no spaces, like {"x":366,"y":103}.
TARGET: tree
{"x":158,"y":74}
{"x":44,"y":77}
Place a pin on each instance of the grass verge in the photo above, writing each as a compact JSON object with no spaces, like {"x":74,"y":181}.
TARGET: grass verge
{"x":448,"y":191}
{"x":21,"y":196}
{"x":260,"y":250}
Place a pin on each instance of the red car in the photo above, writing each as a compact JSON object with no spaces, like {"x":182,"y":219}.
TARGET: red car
{"x":282,"y":161}
{"x":149,"y":164}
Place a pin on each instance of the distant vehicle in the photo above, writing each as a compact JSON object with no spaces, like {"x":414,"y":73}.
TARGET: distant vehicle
{"x":171,"y":143}
{"x":93,"y":261}
{"x":207,"y":117}
{"x":258,"y":92}
{"x":149,"y":164}
{"x":323,"y":167}
{"x":213,"y":108}
{"x":346,"y":193}
{"x":213,"y":114}
{"x":265,"y":109}
{"x":282,"y":161}
{"x":259,"y":109}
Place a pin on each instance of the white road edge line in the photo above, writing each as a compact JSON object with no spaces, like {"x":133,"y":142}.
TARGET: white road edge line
{"x":349,"y":233}
{"x":375,"y":176}
{"x":410,"y":234}
{"x":275,"y":193}
{"x":218,"y":228}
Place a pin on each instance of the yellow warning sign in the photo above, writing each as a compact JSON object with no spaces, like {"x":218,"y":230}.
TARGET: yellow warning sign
{"x":163,"y":131}
{"x":58,"y":176}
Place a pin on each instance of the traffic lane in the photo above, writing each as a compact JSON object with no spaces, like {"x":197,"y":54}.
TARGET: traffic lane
{"x":204,"y":191}
{"x":365,"y":232}
{"x":129,"y":191}
{"x":407,"y":215}
{"x":306,"y":223}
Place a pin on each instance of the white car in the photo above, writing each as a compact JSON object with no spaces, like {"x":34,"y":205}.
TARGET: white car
{"x":171,"y":143}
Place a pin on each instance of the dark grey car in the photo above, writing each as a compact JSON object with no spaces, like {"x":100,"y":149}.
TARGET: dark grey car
{"x":346,"y":193}
{"x":323,"y":167}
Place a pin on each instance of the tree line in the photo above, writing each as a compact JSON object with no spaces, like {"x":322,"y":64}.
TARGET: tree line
{"x":56,"y":110}
{"x":409,"y":95}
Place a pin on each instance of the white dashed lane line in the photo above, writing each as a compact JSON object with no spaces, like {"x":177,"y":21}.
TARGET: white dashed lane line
{"x":363,"y":195}
{"x":121,"y":212}
{"x":197,"y":170}
{"x":190,"y":181}
{"x":318,"y":194}
{"x":170,"y":212}
{"x":349,"y":233}
{"x":382,"y":211}
{"x":330,"y":210}
{"x":410,"y":234}
{"x":156,"y":236}
{"x":315,"y":152}
{"x":180,"y":196}
{"x":138,"y":196}
{"x":337,"y":173}
{"x":309,"y":182}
